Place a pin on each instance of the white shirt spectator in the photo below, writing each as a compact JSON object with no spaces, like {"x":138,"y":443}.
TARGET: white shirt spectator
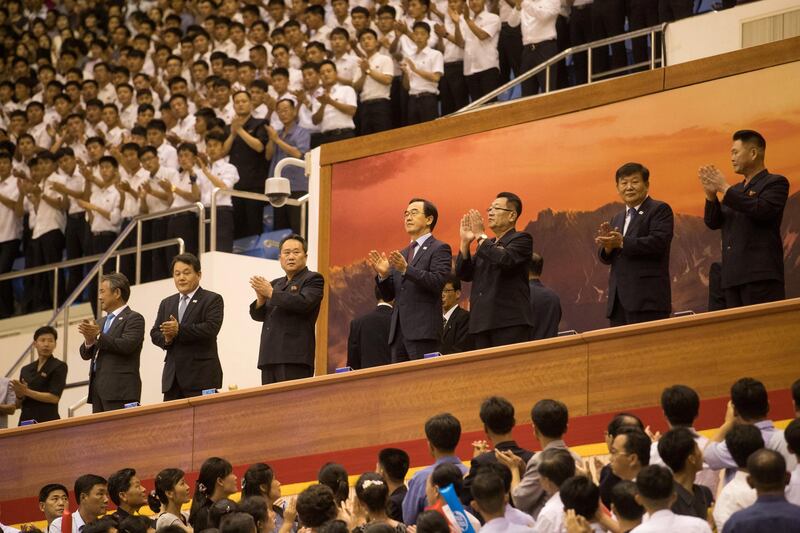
{"x":793,"y":488}
{"x":332,"y":118}
{"x":107,"y":199}
{"x":47,"y":217}
{"x":130,"y":207}
{"x":551,"y":518}
{"x":226,"y":113}
{"x":372,"y":89}
{"x":156,"y":205}
{"x":77,"y":524}
{"x":184,"y":129}
{"x":538,"y":19}
{"x":705,"y":477}
{"x":75,"y":182}
{"x":168,"y":155}
{"x":307,"y":110}
{"x":480,"y":55}
{"x":347,"y":67}
{"x":734,"y":496}
{"x":452,"y":52}
{"x":114,"y":136}
{"x":10,"y":223}
{"x":385,"y":51}
{"x":717,"y":456}
{"x":183,"y":182}
{"x":40,"y":135}
{"x":407,"y":46}
{"x":127,"y":115}
{"x":429,"y":60}
{"x":322,"y":35}
{"x":512,"y":515}
{"x":502,"y":525}
{"x":221,"y":169}
{"x":668,"y":522}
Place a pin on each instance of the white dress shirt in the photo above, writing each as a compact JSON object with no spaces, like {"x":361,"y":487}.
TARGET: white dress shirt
{"x":347,"y":66}
{"x":502,"y":525}
{"x":130,"y":208}
{"x":40,"y":135}
{"x":156,"y":205}
{"x":735,"y":496}
{"x":107,"y":199}
{"x":10,"y":223}
{"x":184,"y":129}
{"x":373,"y":89}
{"x":406,"y":44}
{"x":429,"y":60}
{"x":551,"y":517}
{"x":114,"y":136}
{"x":449,"y":313}
{"x":538,"y":19}
{"x":223,"y":170}
{"x":75,"y":182}
{"x":452,"y":52}
{"x":168,"y":155}
{"x":793,"y":488}
{"x":183,"y":181}
{"x":480,"y":55}
{"x":77,"y":524}
{"x":307,"y":110}
{"x":127,"y":115}
{"x":666,"y":521}
{"x":332,"y":118}
{"x":47,"y":217}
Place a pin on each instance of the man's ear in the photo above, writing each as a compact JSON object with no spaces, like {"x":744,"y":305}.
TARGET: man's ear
{"x":474,"y":505}
{"x":750,"y":482}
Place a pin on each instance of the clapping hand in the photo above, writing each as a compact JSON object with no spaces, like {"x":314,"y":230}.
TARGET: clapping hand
{"x":20,"y":388}
{"x":712,"y":180}
{"x":608,"y":238}
{"x":454,"y":15}
{"x":170,"y":329}
{"x":479,"y":447}
{"x":439,"y":30}
{"x":263,"y":289}
{"x":465,"y":230}
{"x":272,"y":134}
{"x":575,"y":523}
{"x":89,"y":329}
{"x":510,"y":460}
{"x":379,"y":263}
{"x":477,"y":221}
{"x":398,"y":262}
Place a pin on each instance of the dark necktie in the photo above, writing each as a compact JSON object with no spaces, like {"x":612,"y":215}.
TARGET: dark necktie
{"x":631,"y":216}
{"x":411,"y":249}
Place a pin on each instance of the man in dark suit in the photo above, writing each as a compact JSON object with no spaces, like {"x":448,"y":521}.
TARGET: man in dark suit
{"x":639,"y":284}
{"x":186,"y":327}
{"x":500,"y":300}
{"x":368,"y":341}
{"x":455,"y":335}
{"x":114,"y":348}
{"x":288,"y":307}
{"x":545,"y":303}
{"x":749,"y":214}
{"x":414,"y":277}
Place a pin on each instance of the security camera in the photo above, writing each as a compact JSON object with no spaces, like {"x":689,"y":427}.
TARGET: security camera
{"x":277,"y":191}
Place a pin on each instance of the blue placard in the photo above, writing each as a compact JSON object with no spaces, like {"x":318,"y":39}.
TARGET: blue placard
{"x":28,"y":422}
{"x":343,"y":369}
{"x":451,"y":499}
{"x":432,"y":354}
{"x":206,"y":392}
{"x":132,"y":404}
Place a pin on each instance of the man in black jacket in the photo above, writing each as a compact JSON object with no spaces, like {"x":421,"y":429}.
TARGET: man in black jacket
{"x":368,"y":341}
{"x":749,"y":214}
{"x":186,"y":327}
{"x":455,"y":335}
{"x":114,"y":348}
{"x":500,"y":300}
{"x":545,"y":303}
{"x":288,"y":307}
{"x":636,"y":244}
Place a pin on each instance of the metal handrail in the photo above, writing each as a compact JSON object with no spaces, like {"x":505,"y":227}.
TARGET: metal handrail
{"x":77,"y":405}
{"x":652,"y":31}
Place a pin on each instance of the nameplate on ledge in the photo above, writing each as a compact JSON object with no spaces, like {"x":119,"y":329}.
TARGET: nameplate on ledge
{"x":343,"y":369}
{"x":206,"y":392}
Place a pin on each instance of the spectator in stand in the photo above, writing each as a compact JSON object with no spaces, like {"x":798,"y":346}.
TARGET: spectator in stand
{"x":432,"y":522}
{"x":749,"y":214}
{"x":489,"y":500}
{"x":256,"y":506}
{"x":681,"y":453}
{"x":442,"y":476}
{"x":11,"y":213}
{"x":185,"y":192}
{"x":368,"y":340}
{"x":259,"y":481}
{"x":555,"y":466}
{"x":742,"y":441}
{"x":334,"y":476}
{"x":771,"y":513}
{"x":167,"y":154}
{"x":657,"y":495}
{"x":478,"y":32}
{"x":500,"y":308}
{"x":453,"y":91}
{"x":455,"y":332}
{"x":315,"y":506}
{"x":607,"y":477}
{"x":8,"y":401}
{"x":132,"y":176}
{"x":216,"y":481}
{"x":792,"y":435}
{"x":154,"y":197}
{"x":91,"y":495}
{"x":127,"y":492}
{"x":393,"y":465}
{"x":537,"y":19}
{"x":171,"y":492}
{"x":290,"y":141}
{"x":545,"y":303}
{"x":216,"y":172}
{"x":423,"y":67}
{"x":373,"y":82}
{"x":580,"y":32}
{"x":630,"y":452}
{"x":41,"y":382}
{"x":624,"y":507}
{"x":608,"y":20}
{"x":372,"y":492}
{"x":442,"y":432}
{"x":338,"y":105}
{"x":53,"y":499}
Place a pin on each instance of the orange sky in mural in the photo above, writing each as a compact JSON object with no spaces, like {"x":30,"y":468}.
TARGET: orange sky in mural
{"x":568,"y":162}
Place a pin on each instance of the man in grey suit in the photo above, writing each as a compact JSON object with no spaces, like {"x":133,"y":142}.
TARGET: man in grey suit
{"x":114,"y":347}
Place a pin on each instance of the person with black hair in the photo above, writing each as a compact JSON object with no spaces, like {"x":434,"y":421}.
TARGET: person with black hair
{"x":455,"y":332}
{"x":413,"y":278}
{"x":771,"y":513}
{"x":489,"y":500}
{"x":171,"y":492}
{"x":497,"y":415}
{"x":556,"y":465}
{"x":636,"y":244}
{"x":796,"y":398}
{"x":334,"y":476}
{"x":11,"y":214}
{"x":237,"y":522}
{"x":105,"y":524}
{"x":53,"y":499}
{"x":315,"y":506}
{"x":742,"y":441}
{"x":680,"y":452}
{"x":630,"y":452}
{"x":512,"y":514}
{"x":259,"y":480}
{"x":91,"y":495}
{"x":624,"y":506}
{"x":432,"y":522}
{"x":393,"y":464}
{"x":216,"y":481}
{"x":257,"y":507}
{"x":749,"y":213}
{"x":340,"y":526}
{"x":500,"y":300}
{"x":288,"y":307}
{"x":368,"y":339}
{"x":656,"y":495}
{"x":127,"y":492}
{"x":442,"y":432}
{"x":41,"y":382}
{"x":372,"y":493}
{"x":581,"y":496}
{"x":545,"y":303}
{"x":442,"y":476}
{"x":749,"y":404}
{"x":136,"y":524}
{"x":220,"y":510}
{"x":792,"y":436}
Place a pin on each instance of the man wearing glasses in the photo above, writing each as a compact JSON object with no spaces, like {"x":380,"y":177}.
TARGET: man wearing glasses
{"x":414,"y":277}
{"x":500,"y":306}
{"x":288,"y":307}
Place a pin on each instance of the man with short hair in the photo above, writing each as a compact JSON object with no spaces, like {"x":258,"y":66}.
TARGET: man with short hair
{"x":500,"y":307}
{"x":291,"y":140}
{"x":442,"y":432}
{"x":11,"y":214}
{"x":373,"y":83}
{"x":339,"y":104}
{"x":422,"y":70}
{"x":555,"y":467}
{"x":455,"y":333}
{"x":127,"y":492}
{"x":114,"y":348}
{"x":288,"y":307}
{"x":545,"y":303}
{"x":792,"y":436}
{"x":413,"y":278}
{"x":368,"y":340}
{"x":186,"y":328}
{"x":742,"y":441}
{"x":657,"y":495}
{"x":393,"y":464}
{"x":91,"y":494}
{"x":630,"y":452}
{"x":636,"y":244}
{"x":624,"y":506}
{"x":53,"y":499}
{"x":489,"y":501}
{"x":478,"y":31}
{"x":537,"y":22}
{"x":771,"y":513}
{"x":41,"y":382}
{"x":749,"y":214}
{"x":680,"y":452}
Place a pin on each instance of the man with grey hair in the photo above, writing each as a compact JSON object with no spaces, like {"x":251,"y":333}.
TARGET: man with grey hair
{"x":114,"y":347}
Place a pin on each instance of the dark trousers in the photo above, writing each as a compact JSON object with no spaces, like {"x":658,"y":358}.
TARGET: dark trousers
{"x":422,"y":108}
{"x":453,"y":88}
{"x":155,"y":231}
{"x":483,"y":82}
{"x":620,"y":316}
{"x":563,"y":42}
{"x":757,"y":292}
{"x":100,"y":405}
{"x":224,"y":229}
{"x":642,"y":14}
{"x":509,"y":47}
{"x":672,"y":10}
{"x":248,"y":215}
{"x":184,"y":225}
{"x":580,"y":32}
{"x":77,"y":241}
{"x":284,"y":372}
{"x":28,"y":282}
{"x":608,"y":20}
{"x":8,"y":252}
{"x":288,"y":216}
{"x":403,"y":349}
{"x":338,"y":135}
{"x":47,"y":249}
{"x":100,"y":243}
{"x":716,"y":296}
{"x":175,"y":392}
{"x":375,"y":116}
{"x":501,"y":336}
{"x":399,"y":98}
{"x":533,"y":55}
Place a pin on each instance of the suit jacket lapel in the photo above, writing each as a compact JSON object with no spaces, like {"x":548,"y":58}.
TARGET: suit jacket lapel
{"x":193,"y":302}
{"x":636,"y":219}
{"x":422,"y":250}
{"x":117,"y":323}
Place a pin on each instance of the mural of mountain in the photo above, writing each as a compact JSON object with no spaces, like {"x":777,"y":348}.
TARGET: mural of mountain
{"x":566,"y":241}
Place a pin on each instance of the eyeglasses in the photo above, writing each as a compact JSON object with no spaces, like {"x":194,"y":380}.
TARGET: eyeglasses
{"x":496,"y":208}
{"x":411,"y":213}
